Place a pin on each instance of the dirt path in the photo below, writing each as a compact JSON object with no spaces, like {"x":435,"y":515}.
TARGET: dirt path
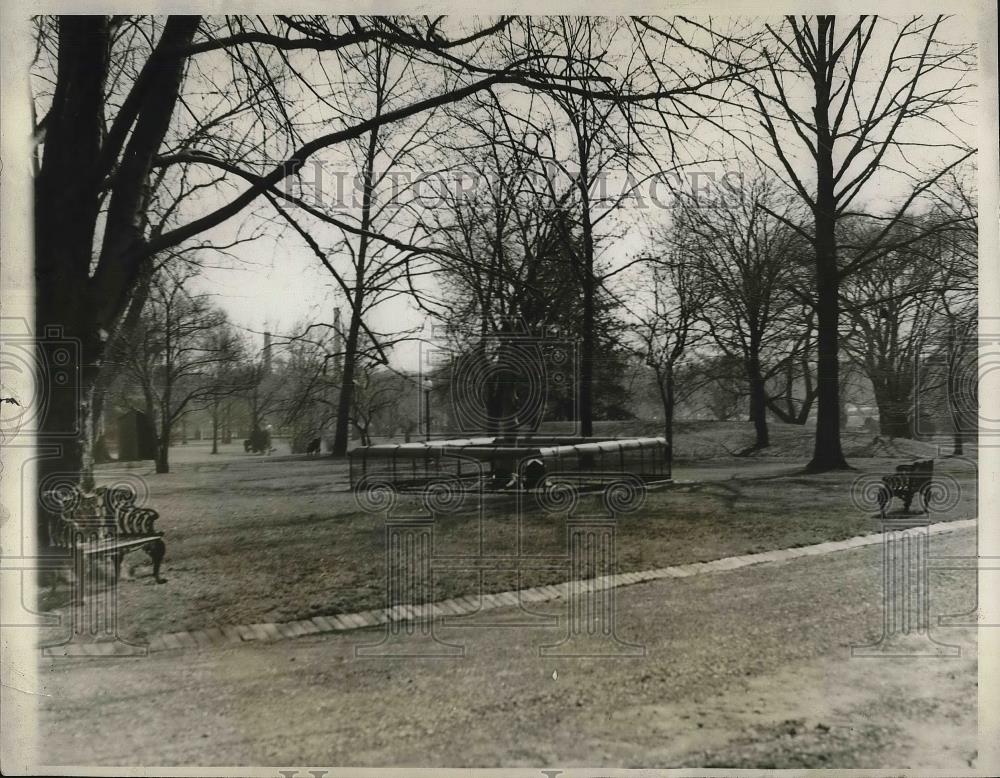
{"x":748,"y":668}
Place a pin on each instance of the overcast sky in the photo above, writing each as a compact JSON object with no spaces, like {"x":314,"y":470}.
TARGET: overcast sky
{"x":275,"y":283}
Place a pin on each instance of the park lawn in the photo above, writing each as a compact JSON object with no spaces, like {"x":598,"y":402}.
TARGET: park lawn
{"x":275,"y":540}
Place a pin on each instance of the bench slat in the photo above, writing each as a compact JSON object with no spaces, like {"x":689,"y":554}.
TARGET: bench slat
{"x":105,"y":546}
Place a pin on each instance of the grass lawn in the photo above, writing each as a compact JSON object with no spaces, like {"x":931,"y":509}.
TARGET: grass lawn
{"x":256,"y":539}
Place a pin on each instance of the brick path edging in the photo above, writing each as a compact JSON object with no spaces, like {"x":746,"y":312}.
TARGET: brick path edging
{"x":225,"y":635}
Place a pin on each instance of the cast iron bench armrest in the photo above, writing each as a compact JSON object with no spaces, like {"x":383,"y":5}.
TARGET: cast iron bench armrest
{"x":136,"y":521}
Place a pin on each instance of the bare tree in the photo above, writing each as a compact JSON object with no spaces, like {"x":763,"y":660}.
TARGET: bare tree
{"x":312,"y":380}
{"x":262,"y":386}
{"x":892,"y":308}
{"x":598,"y":143}
{"x":121,"y":98}
{"x":590,"y":141}
{"x":668,"y":328}
{"x":959,"y":351}
{"x":791,"y":380}
{"x":606,"y":139}
{"x":951,"y":358}
{"x":748,"y":261}
{"x":376,"y":391}
{"x":503,"y":262}
{"x":175,"y":354}
{"x":846,"y":103}
{"x":959,"y":306}
{"x":225,"y":378}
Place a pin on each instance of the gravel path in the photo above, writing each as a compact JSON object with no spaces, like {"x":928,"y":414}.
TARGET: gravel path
{"x":743,"y":668}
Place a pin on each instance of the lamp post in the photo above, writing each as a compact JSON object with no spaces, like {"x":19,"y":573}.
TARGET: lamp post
{"x":427,"y":407}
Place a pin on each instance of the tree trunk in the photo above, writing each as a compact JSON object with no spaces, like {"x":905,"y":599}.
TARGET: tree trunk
{"x":96,"y":412}
{"x":667,"y":397}
{"x":806,"y":409}
{"x":587,"y":336}
{"x":163,"y":446}
{"x":893,"y":420}
{"x":73,"y":311}
{"x":215,"y":426}
{"x":494,"y":403}
{"x":893,"y":394}
{"x":958,"y":439}
{"x":789,"y":398}
{"x":809,"y":391}
{"x":790,"y":414}
{"x":758,"y":402}
{"x":783,"y":414}
{"x":893,"y":410}
{"x":163,"y":457}
{"x":66,"y":205}
{"x":503,"y":403}
{"x":827,"y":453}
{"x":166,"y":401}
{"x":952,"y":390}
{"x":110,"y":370}
{"x":342,"y":428}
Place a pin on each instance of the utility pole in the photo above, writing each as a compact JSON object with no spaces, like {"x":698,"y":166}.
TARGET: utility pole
{"x":427,"y":408}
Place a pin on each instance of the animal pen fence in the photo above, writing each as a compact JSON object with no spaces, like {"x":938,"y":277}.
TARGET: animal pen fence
{"x":515,"y":463}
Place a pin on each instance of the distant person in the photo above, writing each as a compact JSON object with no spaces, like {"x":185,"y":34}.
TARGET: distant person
{"x":314,"y":446}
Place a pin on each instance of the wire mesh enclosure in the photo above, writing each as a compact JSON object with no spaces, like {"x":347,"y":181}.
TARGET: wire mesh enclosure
{"x":511,"y":463}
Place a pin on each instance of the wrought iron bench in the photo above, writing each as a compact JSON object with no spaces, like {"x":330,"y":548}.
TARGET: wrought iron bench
{"x":905,"y":483}
{"x":105,"y":522}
